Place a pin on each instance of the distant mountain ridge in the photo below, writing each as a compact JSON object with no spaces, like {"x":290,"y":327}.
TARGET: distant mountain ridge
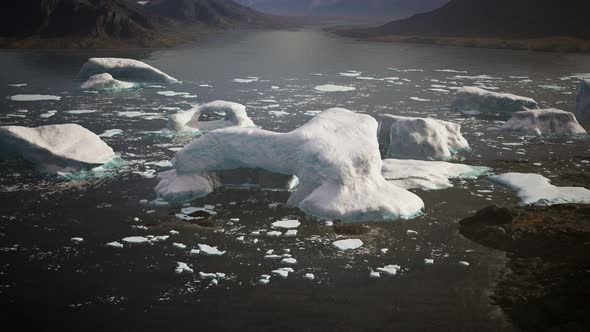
{"x":218,"y":13}
{"x":381,"y":8}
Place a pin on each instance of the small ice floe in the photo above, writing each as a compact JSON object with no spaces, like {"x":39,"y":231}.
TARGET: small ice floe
{"x":80,"y":111}
{"x":309,"y":276}
{"x":389,"y":270}
{"x":136,"y":240}
{"x":246,"y":80}
{"x":478,"y":99}
{"x":17,"y":85}
{"x":115,"y":244}
{"x":536,"y":189}
{"x":410,"y":232}
{"x":420,"y":138}
{"x":241,"y":238}
{"x":47,"y":114}
{"x":286,"y":224}
{"x":418,"y":99}
{"x":544,"y":122}
{"x":583,"y":101}
{"x":186,"y":121}
{"x":334,"y":88}
{"x":77,"y":239}
{"x":111,"y":133}
{"x":350,"y":73}
{"x":289,"y":261}
{"x":140,"y":227}
{"x":428,"y":261}
{"x":182,"y":268}
{"x":205,"y":86}
{"x":172,"y":93}
{"x":34,"y":98}
{"x":173,"y":232}
{"x":274,"y":234}
{"x":272,"y":257}
{"x":374,"y":275}
{"x":264,"y":279}
{"x":384,"y":250}
{"x":451,"y":71}
{"x":207,"y":250}
{"x":463,"y":263}
{"x":195,"y":213}
{"x":179,"y":245}
{"x":348,"y":244}
{"x":283,"y":272}
{"x":278,"y":113}
{"x":211,"y":276}
{"x":290,"y":233}
{"x":125,"y":69}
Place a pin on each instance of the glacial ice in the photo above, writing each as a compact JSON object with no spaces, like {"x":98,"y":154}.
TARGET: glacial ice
{"x":536,"y":189}
{"x":427,"y":175}
{"x":235,"y":115}
{"x":478,"y":99}
{"x":544,"y":122}
{"x":34,"y":98}
{"x":335,"y":157}
{"x":420,"y":138}
{"x":583,"y":101}
{"x":120,"y":68}
{"x":106,"y":83}
{"x":55,"y":148}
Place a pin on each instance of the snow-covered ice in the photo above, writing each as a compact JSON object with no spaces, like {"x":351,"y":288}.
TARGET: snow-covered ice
{"x":136,"y":239}
{"x":34,"y":98}
{"x":478,"y":99}
{"x":309,"y":276}
{"x":182,"y":268}
{"x":289,"y":261}
{"x":335,"y":157}
{"x":55,"y":148}
{"x":115,"y":244}
{"x":235,"y":115}
{"x":583,"y":101}
{"x":390,"y":270}
{"x":286,"y":224}
{"x":428,"y":175}
{"x":347,"y":244}
{"x":334,"y":88}
{"x":246,"y":80}
{"x":77,"y":239}
{"x":544,"y":122}
{"x":208,"y":250}
{"x":420,"y":138}
{"x":537,"y":190}
{"x":106,"y":83}
{"x":124,"y":69}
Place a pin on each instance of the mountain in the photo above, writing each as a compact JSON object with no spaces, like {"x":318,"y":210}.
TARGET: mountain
{"x":116,"y":23}
{"x":350,"y":8}
{"x":512,"y":23}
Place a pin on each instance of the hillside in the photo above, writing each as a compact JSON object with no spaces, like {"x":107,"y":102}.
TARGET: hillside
{"x":494,"y":23}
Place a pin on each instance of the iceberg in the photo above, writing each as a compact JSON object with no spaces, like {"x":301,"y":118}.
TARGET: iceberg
{"x":55,"y":148}
{"x":124,"y":69}
{"x":235,"y":115}
{"x":583,"y":101}
{"x":335,"y":158}
{"x":420,"y":138}
{"x":34,"y":98}
{"x":536,"y":189}
{"x":106,"y":83}
{"x":428,"y":175}
{"x":544,"y":122}
{"x":477,"y":99}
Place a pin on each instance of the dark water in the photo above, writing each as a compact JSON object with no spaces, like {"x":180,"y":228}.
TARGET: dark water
{"x":49,"y":282}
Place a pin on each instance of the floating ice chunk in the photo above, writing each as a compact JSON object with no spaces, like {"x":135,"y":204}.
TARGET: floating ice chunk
{"x":106,"y":83}
{"x":374,"y":275}
{"x":115,"y":244}
{"x":136,"y":239}
{"x":173,"y":232}
{"x":286,"y":224}
{"x":390,"y":270}
{"x":335,"y":157}
{"x":124,"y":69}
{"x":264,"y":279}
{"x":384,"y":250}
{"x":204,"y":275}
{"x":111,"y":133}
{"x":309,"y":276}
{"x":272,"y":257}
{"x":476,"y":77}
{"x":334,"y":88}
{"x":246,"y":80}
{"x":537,"y":190}
{"x":583,"y":101}
{"x":428,"y":175}
{"x":18,"y":85}
{"x":411,"y":232}
{"x":477,"y":99}
{"x":428,"y":261}
{"x":274,"y":234}
{"x":235,"y":115}
{"x":289,"y":261}
{"x":172,"y":93}
{"x":182,"y":268}
{"x":179,"y":245}
{"x":464,"y":263}
{"x":350,"y":73}
{"x":80,"y":111}
{"x":544,"y":122}
{"x":290,"y":233}
{"x":55,"y":148}
{"x":420,"y":138}
{"x":348,"y":244}
{"x":48,"y":114}
{"x":77,"y":239}
{"x":418,"y":99}
{"x":283,"y":272}
{"x":209,"y":250}
{"x":34,"y":98}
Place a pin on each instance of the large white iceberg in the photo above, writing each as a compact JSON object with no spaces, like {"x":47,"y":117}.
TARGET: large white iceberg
{"x":55,"y":148}
{"x":235,"y":115}
{"x":472,"y":98}
{"x":420,"y":138}
{"x":124,"y":69}
{"x":427,"y":175}
{"x":583,"y":101}
{"x":544,"y":122}
{"x":335,"y":156}
{"x":106,"y":83}
{"x":538,"y":190}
